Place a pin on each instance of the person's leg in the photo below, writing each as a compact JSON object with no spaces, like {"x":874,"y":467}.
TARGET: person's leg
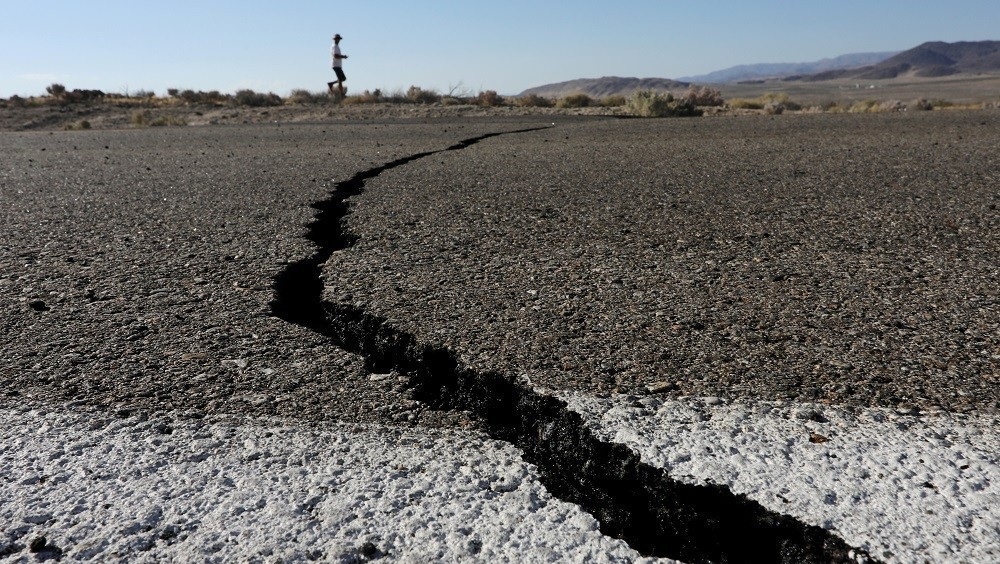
{"x":341,"y":77}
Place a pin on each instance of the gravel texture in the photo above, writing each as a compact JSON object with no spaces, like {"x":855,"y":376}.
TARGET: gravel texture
{"x":904,"y":488}
{"x":161,"y":488}
{"x":847,"y":259}
{"x":138,"y":268}
{"x":832,"y":258}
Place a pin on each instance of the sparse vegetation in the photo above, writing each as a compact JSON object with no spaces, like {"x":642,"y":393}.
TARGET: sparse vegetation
{"x":253,"y":99}
{"x":704,"y":96}
{"x":421,"y":96}
{"x":81,"y":125}
{"x":640,"y":103}
{"x":143,"y":108}
{"x":644,"y":103}
{"x":367,"y":97}
{"x":579,"y":100}
{"x":770,"y":102}
{"x":300,"y":97}
{"x":145,"y":118}
{"x":213,"y":97}
{"x":533,"y":101}
{"x":141,"y":119}
{"x":56,"y":90}
{"x":863,"y":107}
{"x":489,"y":98}
{"x":616,"y":101}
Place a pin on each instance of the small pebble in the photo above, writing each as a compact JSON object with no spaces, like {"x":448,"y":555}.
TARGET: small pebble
{"x":369,"y":550}
{"x":660,"y":387}
{"x":38,"y":544}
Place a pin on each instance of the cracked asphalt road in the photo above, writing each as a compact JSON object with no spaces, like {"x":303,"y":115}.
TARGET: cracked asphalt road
{"x":139,"y":265}
{"x":847,"y":260}
{"x":844,"y":259}
{"x":838,"y":259}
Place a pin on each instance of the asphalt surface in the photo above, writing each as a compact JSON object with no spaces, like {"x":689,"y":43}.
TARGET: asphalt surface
{"x":809,"y":259}
{"x":139,"y":268}
{"x":844,"y":259}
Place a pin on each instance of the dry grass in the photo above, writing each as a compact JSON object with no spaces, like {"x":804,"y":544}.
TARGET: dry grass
{"x":657,"y":104}
{"x":147,"y":119}
{"x":77,"y":126}
{"x":143,"y":108}
{"x":533,"y":101}
{"x":578,"y":100}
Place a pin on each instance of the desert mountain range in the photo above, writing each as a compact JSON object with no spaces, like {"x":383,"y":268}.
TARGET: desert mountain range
{"x":931,"y":59}
{"x":605,"y":86}
{"x":765,"y":71}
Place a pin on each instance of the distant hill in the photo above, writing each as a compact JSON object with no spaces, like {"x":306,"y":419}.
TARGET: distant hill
{"x":605,"y":86}
{"x":935,"y":58}
{"x":931,"y":59}
{"x":764,"y":71}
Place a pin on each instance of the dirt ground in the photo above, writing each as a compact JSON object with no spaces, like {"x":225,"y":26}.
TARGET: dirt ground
{"x":961,"y":91}
{"x":111,"y":116}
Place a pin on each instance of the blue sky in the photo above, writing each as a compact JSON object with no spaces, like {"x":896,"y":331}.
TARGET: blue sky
{"x":468,"y":45}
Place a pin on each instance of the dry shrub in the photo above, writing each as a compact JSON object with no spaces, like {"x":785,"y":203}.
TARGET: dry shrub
{"x":421,"y":96}
{"x":746,"y":104}
{"x":770,"y":102}
{"x":891,"y":106}
{"x":644,"y":103}
{"x":882,"y":106}
{"x":940,"y":103}
{"x":830,"y":106}
{"x":773,"y":109}
{"x":166,"y":120}
{"x":612,"y":101}
{"x":83,"y":124}
{"x":579,"y":100}
{"x":863,"y":107}
{"x":533,"y":101}
{"x":649,"y":104}
{"x":253,"y":99}
{"x":191,"y":97}
{"x":145,"y":118}
{"x":366,"y":97}
{"x":489,"y":98}
{"x":778,"y":102}
{"x":301,"y":97}
{"x":141,"y":119}
{"x":704,"y":96}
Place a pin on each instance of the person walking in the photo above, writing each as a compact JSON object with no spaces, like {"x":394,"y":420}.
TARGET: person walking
{"x":338,"y":65}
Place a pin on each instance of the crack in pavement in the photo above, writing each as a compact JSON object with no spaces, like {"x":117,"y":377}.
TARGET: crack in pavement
{"x":634,"y":501}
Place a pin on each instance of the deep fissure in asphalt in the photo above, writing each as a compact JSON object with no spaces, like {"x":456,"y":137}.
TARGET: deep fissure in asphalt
{"x":656,"y":514}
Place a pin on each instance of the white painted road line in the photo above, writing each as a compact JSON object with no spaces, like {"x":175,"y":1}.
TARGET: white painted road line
{"x":903,"y":488}
{"x":168,"y":488}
